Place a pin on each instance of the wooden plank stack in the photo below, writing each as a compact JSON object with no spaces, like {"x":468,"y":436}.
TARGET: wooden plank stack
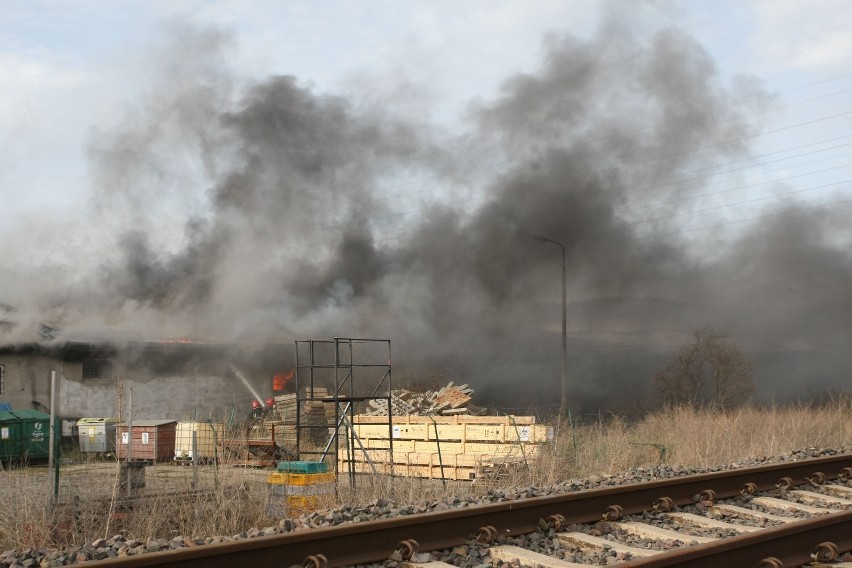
{"x":314,"y":411}
{"x":447,"y":400}
{"x":285,"y":408}
{"x":468,"y":447}
{"x":399,"y":405}
{"x":285,"y":420}
{"x":450,"y":398}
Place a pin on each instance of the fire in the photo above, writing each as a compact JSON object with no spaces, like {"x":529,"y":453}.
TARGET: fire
{"x":179,"y":340}
{"x":280,"y":380}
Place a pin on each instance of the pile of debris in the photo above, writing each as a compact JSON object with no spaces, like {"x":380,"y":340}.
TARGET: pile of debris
{"x":448,"y":401}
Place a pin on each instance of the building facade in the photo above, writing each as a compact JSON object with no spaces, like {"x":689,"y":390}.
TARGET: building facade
{"x":174,"y":381}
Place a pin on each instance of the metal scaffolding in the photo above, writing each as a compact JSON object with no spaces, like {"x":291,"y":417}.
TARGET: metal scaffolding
{"x":347,"y":373}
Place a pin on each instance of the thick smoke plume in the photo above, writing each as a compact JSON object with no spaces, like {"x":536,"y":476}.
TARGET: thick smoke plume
{"x":270,"y":211}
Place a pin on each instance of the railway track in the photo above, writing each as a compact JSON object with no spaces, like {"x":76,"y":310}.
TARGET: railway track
{"x":773,"y":516}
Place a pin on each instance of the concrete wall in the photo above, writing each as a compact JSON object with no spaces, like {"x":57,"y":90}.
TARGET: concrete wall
{"x":175,"y":397}
{"x":27,"y":379}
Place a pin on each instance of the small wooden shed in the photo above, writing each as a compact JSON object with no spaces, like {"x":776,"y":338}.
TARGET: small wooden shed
{"x":151,"y":440}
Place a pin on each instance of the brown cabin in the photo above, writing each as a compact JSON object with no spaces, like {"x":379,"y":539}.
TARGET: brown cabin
{"x":152,"y":440}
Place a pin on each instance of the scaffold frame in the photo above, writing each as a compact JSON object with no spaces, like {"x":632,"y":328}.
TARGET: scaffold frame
{"x":348,"y":381}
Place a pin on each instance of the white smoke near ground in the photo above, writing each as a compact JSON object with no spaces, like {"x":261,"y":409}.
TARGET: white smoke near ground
{"x":269,"y":211}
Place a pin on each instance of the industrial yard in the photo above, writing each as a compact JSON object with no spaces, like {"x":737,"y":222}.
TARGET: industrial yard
{"x":232,"y":499}
{"x":484,"y":284}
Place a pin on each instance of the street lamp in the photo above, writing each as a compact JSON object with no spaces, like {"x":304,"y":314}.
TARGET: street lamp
{"x":563,"y":408}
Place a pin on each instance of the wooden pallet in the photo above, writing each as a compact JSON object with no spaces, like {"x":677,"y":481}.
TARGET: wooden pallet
{"x":533,"y":433}
{"x":464,"y":419}
{"x":435,"y":458}
{"x":458,"y":472}
{"x":469,"y":447}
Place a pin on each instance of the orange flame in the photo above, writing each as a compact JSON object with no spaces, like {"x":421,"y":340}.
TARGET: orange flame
{"x":280,"y":380}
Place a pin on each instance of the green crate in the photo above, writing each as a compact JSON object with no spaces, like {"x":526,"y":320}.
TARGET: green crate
{"x":302,"y":467}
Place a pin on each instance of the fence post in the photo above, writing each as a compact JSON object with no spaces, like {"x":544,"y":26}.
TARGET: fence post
{"x":440,"y":459}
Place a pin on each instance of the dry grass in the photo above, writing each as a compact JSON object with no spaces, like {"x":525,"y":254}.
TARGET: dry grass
{"x":694,"y":438}
{"x":680,"y":436}
{"x":235,"y":498}
{"x":91,"y":504}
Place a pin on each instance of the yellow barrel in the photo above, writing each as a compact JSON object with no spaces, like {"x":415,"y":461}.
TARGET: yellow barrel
{"x":291,"y":494}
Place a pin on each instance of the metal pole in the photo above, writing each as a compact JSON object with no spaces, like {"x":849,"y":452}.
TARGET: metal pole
{"x":440,"y":459}
{"x":195,"y":457}
{"x":52,"y":439}
{"x":129,"y":438}
{"x":563,"y":407}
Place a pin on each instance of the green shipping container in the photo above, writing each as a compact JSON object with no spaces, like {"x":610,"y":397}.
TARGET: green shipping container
{"x":25,"y":435}
{"x":10,"y":437}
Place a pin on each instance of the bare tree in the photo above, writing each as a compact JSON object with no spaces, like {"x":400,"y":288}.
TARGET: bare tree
{"x":709,"y":371}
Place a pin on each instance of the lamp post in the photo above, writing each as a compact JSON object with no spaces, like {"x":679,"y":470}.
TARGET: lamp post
{"x":563,"y":407}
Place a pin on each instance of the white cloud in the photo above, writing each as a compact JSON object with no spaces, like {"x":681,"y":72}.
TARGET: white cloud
{"x":29,"y":78}
{"x":808,"y":36}
{"x":45,"y":110}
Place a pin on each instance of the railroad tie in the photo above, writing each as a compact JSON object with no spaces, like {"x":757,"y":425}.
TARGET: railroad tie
{"x":587,"y":541}
{"x":710,"y":523}
{"x":774,"y":503}
{"x":812,"y":497}
{"x":838,"y":490}
{"x":529,"y":558}
{"x":752,"y":514}
{"x":643,"y":530}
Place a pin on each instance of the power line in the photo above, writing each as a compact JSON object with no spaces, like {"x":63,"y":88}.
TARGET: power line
{"x":763,"y":133}
{"x":512,"y":163}
{"x":745,"y":202}
{"x":799,"y":88}
{"x":681,"y":214}
{"x":790,"y":211}
{"x":677,"y":180}
{"x":483,"y":197}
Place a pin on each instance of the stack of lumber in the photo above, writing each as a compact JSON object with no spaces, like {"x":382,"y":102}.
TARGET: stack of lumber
{"x":285,"y":414}
{"x":468,"y":447}
{"x":285,"y":408}
{"x":400,"y":405}
{"x":450,"y":398}
{"x":447,"y":400}
{"x":315,"y":409}
{"x":318,"y":410}
{"x":261,"y":430}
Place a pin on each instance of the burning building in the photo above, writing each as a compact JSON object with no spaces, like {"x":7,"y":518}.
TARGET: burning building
{"x":265,"y":208}
{"x":179,"y":380}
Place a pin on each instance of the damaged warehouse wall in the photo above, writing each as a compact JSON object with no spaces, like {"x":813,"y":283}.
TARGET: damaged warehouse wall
{"x":26,"y":378}
{"x":169,"y":381}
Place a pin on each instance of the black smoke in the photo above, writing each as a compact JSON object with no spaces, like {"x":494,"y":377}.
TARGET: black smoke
{"x":333,"y":215}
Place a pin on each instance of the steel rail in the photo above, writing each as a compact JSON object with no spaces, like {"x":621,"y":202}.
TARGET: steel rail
{"x":374,"y":541}
{"x":791,"y":545}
